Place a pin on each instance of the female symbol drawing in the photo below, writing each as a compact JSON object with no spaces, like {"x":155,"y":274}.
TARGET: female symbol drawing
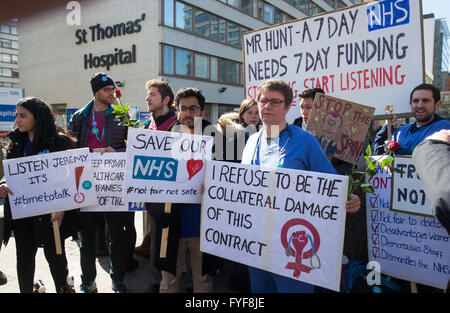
{"x":299,"y":240}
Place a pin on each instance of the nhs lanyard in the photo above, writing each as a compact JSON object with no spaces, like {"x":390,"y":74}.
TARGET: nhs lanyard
{"x":95,"y":129}
{"x":256,"y":152}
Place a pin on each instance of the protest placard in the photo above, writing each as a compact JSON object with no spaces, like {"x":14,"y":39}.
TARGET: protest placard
{"x":410,"y":247}
{"x":285,"y":221}
{"x":340,"y":126}
{"x":109,"y":171}
{"x":360,"y":52}
{"x":408,"y":195}
{"x":51,"y":182}
{"x":165,"y":166}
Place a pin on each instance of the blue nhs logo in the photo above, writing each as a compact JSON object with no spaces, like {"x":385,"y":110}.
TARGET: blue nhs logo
{"x":387,"y":13}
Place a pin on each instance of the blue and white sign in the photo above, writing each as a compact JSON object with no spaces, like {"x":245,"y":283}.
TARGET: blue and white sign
{"x":8,"y":100}
{"x":165,"y":166}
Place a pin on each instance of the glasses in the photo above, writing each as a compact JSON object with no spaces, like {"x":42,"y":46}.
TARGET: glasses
{"x":192,"y":109}
{"x":107,"y":90}
{"x":273,"y":102}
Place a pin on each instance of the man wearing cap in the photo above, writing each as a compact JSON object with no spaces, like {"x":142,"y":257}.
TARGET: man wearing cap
{"x":96,"y":127}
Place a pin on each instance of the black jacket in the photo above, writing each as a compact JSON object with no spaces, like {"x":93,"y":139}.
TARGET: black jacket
{"x":173,"y":220}
{"x":114,"y":134}
{"x":43,"y":231}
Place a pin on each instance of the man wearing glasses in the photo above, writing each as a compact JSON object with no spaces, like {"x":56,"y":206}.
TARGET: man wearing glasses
{"x":96,"y":127}
{"x":184,"y":219}
{"x":279,"y":144}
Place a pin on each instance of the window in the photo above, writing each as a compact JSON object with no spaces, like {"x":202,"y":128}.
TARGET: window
{"x":268,"y":14}
{"x":5,"y":43}
{"x":214,"y":28}
{"x":5,"y":29}
{"x":222,"y":64}
{"x":183,"y":16}
{"x":6,"y":58}
{"x":6,"y":72}
{"x":233,"y":34}
{"x":13,"y":30}
{"x":214,"y":69}
{"x":14,"y":58}
{"x":14,"y":44}
{"x":202,"y":66}
{"x":201,"y":23}
{"x":168,"y":13}
{"x":222,"y":29}
{"x":183,"y":62}
{"x":232,"y":72}
{"x":168,"y":60}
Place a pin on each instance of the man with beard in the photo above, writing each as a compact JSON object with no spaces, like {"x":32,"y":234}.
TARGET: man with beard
{"x":425,"y":99}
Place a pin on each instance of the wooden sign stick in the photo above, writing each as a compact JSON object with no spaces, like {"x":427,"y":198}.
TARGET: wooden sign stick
{"x":165,"y":233}
{"x":413,"y":287}
{"x":57,"y":237}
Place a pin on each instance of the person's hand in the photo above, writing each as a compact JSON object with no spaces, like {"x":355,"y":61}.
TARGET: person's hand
{"x":58,"y":217}
{"x":353,"y":205}
{"x":107,"y":149}
{"x":4,"y":191}
{"x":202,"y":189}
{"x":442,"y":135}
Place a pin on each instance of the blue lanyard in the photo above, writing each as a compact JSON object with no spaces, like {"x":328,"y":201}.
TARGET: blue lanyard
{"x":95,"y":129}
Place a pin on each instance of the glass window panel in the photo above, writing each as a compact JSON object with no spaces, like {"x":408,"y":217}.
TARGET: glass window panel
{"x":201,"y":23}
{"x":183,"y":62}
{"x":222,"y":26}
{"x":278,"y":17}
{"x":14,"y":58}
{"x":7,"y":72}
{"x":14,"y":30}
{"x":222,"y":70}
{"x":5,"y":43}
{"x":202,"y":66}
{"x":6,"y":58}
{"x":168,"y":13}
{"x":14,"y":44}
{"x":5,"y":29}
{"x":233,"y":34}
{"x":183,"y":16}
{"x":214,"y":72}
{"x":233,"y":72}
{"x":214,"y":28}
{"x":14,"y":74}
{"x":268,"y":13}
{"x":168,"y":60}
{"x":247,"y":6}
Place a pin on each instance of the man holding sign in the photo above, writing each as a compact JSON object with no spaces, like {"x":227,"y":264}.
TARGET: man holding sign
{"x":184,"y":218}
{"x":95,"y":127}
{"x":279,"y":144}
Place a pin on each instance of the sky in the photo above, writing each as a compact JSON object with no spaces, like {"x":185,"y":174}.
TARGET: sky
{"x":440,"y":8}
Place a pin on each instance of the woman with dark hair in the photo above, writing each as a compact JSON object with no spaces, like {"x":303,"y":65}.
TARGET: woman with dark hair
{"x":37,"y":133}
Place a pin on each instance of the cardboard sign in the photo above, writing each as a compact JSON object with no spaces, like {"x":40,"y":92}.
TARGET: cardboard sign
{"x":408,"y":195}
{"x":109,"y":171}
{"x":410,"y":247}
{"x":288,"y":222}
{"x":50,"y":182}
{"x":359,"y":52}
{"x":340,"y":126}
{"x":165,"y":166}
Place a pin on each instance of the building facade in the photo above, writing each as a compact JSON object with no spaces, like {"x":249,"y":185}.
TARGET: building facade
{"x":9,"y":53}
{"x":188,"y":43}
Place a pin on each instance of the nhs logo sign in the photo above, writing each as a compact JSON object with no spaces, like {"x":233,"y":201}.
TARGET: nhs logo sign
{"x":387,"y":13}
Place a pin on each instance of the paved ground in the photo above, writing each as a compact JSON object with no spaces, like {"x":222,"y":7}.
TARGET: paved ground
{"x":137,"y":281}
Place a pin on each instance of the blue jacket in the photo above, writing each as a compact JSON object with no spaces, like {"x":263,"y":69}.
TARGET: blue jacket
{"x":299,"y":150}
{"x":409,"y":136}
